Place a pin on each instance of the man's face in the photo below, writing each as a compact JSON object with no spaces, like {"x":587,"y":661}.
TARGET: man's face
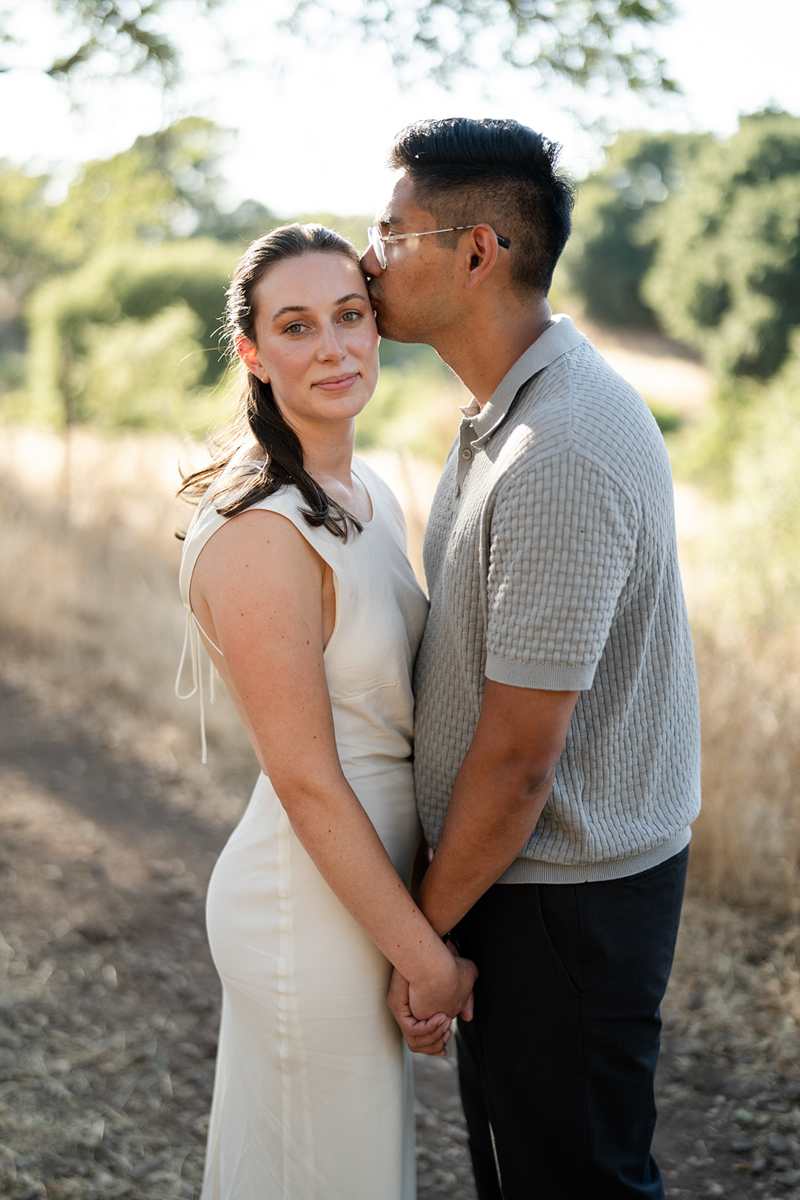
{"x":413,"y":296}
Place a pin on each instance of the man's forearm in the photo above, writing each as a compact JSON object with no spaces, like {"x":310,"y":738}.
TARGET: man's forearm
{"x":499,"y":793}
{"x":492,"y":813}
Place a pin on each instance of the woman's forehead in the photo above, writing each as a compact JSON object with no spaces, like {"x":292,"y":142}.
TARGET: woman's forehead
{"x":318,"y":272}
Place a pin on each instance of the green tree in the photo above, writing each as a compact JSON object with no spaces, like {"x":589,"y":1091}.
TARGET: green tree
{"x":612,"y":243}
{"x":126,"y":31}
{"x":144,"y":373}
{"x":584,"y":41}
{"x":726,"y":272}
{"x":165,"y":185}
{"x":169,"y":297}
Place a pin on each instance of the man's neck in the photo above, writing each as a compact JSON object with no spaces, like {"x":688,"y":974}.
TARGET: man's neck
{"x":485,"y":347}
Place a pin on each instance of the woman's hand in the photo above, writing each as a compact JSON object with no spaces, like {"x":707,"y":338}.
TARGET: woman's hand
{"x":429,"y":1036}
{"x":429,"y":1032}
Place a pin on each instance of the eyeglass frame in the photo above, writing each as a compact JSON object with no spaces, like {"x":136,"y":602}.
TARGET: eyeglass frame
{"x":377,"y":239}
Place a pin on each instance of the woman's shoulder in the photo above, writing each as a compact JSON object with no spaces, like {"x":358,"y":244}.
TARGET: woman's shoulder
{"x":208,"y":521}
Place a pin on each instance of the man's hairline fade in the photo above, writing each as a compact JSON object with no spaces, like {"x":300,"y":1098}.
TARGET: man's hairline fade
{"x":496,"y":172}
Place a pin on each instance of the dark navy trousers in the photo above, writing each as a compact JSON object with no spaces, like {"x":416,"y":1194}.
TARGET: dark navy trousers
{"x":557,"y":1068}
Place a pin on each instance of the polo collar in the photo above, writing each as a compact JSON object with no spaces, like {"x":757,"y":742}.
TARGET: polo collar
{"x":557,"y":339}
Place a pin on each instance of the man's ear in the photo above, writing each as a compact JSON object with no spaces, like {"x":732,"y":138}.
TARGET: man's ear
{"x":248,"y":353}
{"x":484,"y":251}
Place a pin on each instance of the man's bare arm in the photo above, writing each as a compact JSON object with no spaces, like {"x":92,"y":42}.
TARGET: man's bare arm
{"x":499,"y":793}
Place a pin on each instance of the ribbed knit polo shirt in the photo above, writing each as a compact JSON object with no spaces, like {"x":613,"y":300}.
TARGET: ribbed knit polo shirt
{"x":551,"y":561}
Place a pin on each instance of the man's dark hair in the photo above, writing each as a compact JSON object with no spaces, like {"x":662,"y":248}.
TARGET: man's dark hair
{"x":467,"y":172}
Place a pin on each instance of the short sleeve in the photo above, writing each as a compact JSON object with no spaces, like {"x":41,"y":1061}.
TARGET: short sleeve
{"x":561,"y":547}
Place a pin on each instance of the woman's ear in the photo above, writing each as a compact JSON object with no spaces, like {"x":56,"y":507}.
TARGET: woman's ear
{"x":248,"y":353}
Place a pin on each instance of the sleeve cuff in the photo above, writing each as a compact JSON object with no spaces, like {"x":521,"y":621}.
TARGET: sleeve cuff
{"x":549,"y":676}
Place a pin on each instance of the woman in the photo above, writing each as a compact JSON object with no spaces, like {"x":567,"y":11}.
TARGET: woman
{"x":295,"y":572}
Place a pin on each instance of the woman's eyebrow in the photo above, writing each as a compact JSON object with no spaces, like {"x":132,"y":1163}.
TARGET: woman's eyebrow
{"x":290,"y":308}
{"x":299,"y":308}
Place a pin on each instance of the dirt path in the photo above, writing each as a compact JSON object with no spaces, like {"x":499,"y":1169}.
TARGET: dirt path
{"x":110,"y":1003}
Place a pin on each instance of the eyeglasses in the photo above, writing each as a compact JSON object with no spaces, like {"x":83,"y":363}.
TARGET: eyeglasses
{"x":378,"y":240}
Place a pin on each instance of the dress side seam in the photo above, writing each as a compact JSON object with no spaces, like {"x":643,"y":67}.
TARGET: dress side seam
{"x":294,"y":1068}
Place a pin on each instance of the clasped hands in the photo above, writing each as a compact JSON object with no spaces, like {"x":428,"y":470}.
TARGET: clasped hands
{"x":429,"y":1032}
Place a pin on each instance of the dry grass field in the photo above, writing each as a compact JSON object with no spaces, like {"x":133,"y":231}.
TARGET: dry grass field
{"x":110,"y":826}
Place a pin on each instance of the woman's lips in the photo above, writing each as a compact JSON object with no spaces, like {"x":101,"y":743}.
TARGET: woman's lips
{"x":337,"y":383}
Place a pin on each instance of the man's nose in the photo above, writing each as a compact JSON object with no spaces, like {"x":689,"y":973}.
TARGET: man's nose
{"x":369,"y":261}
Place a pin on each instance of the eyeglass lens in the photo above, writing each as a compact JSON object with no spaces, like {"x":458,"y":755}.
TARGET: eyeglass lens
{"x":376,"y":242}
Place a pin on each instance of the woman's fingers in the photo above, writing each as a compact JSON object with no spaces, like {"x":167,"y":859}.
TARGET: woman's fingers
{"x":431,"y":1036}
{"x":427,"y":1036}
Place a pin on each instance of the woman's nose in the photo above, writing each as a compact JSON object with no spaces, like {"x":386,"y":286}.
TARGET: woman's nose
{"x":331,"y":345}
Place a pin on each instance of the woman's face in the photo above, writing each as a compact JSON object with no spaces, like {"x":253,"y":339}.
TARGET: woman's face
{"x":315,"y":339}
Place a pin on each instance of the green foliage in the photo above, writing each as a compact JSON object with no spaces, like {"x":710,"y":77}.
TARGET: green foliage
{"x":612,"y":243}
{"x":165,"y":185}
{"x":93,"y":33}
{"x":25,"y":249}
{"x":726,"y":273}
{"x":141,"y":374}
{"x":758,"y":550}
{"x":582,"y":41}
{"x":77,"y":321}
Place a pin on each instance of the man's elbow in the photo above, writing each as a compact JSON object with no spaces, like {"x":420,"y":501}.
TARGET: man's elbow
{"x":527,"y":779}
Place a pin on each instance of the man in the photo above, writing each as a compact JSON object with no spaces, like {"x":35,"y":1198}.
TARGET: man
{"x":557,"y":731}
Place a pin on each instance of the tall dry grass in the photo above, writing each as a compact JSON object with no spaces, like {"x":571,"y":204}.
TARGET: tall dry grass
{"x":746,"y":843}
{"x":90,"y":576}
{"x":90,"y":592}
{"x":89,"y":606}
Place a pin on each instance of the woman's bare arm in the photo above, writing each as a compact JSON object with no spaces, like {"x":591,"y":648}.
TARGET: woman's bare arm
{"x":257,"y":590}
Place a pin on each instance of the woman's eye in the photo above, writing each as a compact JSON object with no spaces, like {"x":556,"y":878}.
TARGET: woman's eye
{"x":351,"y":316}
{"x":295,"y":327}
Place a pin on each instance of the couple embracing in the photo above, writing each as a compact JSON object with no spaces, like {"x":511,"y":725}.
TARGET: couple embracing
{"x":555,"y":767}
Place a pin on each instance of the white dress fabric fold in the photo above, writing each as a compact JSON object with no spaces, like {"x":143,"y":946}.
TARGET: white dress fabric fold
{"x":313,"y":1096}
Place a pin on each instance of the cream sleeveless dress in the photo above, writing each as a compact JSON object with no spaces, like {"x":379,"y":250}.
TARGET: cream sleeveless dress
{"x":313,"y":1096}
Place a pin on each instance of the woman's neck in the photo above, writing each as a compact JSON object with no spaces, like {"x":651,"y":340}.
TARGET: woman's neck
{"x":328,"y":451}
{"x":328,"y":459}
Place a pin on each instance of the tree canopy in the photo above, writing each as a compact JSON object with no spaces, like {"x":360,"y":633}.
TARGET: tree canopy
{"x":130,"y":334}
{"x":612,"y":243}
{"x":583,"y":41}
{"x":726,"y":271}
{"x":166,"y":184}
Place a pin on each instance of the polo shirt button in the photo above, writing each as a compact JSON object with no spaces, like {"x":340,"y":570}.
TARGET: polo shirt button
{"x":467,"y":454}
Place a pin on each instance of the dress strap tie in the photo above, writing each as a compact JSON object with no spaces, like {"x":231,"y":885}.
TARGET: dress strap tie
{"x":193,"y":644}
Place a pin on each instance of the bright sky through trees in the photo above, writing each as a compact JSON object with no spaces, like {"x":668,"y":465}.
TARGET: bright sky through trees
{"x":312,"y":125}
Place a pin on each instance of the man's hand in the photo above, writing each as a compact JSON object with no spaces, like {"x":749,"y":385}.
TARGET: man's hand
{"x":423,"y":1037}
{"x":429,"y":995}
